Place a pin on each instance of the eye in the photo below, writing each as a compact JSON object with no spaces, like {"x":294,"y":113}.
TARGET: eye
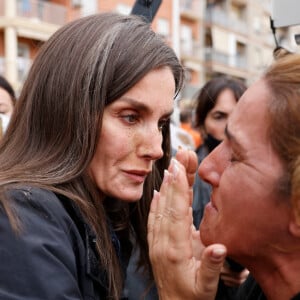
{"x":163,"y":124}
{"x":219,"y":116}
{"x":235,"y":156}
{"x":233,"y":159}
{"x":130,"y":118}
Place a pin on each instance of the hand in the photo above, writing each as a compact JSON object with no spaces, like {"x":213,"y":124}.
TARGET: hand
{"x":232,"y":278}
{"x":189,"y":160}
{"x":179,"y":274}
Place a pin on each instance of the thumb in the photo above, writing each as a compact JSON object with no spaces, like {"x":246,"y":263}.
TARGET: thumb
{"x":212,"y":261}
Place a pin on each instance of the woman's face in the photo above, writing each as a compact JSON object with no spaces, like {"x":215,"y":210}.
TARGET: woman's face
{"x":216,"y":118}
{"x":131,"y":136}
{"x":6,"y":104}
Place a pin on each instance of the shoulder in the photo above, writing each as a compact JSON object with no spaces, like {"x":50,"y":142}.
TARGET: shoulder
{"x":41,"y":212}
{"x":32,"y":196}
{"x":48,"y":244}
{"x":43,"y":203}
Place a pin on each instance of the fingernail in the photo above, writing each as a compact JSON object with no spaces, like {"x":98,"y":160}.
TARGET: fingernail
{"x":166,"y":175}
{"x":155,"y":194}
{"x":218,"y":252}
{"x":175,"y":166}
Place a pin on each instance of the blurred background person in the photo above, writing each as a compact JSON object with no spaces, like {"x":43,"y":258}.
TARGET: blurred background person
{"x":7,"y":103}
{"x":186,"y":120}
{"x":214,"y":103}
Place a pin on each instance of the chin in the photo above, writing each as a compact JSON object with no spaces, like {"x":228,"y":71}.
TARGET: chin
{"x":129,"y":198}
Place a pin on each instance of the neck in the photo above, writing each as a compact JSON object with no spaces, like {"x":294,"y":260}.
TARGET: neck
{"x":279,"y":276}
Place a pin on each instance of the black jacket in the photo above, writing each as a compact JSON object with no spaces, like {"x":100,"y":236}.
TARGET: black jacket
{"x":250,"y":290}
{"x":54,"y":256}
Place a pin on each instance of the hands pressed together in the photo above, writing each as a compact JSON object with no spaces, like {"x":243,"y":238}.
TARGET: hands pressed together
{"x":183,"y":268}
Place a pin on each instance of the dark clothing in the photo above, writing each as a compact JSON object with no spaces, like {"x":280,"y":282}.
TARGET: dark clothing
{"x":201,"y":190}
{"x":250,"y":290}
{"x":54,"y":255}
{"x":137,"y":284}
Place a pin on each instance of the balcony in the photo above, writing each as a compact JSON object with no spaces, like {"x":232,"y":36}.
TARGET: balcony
{"x":192,"y":9}
{"x":235,"y":61}
{"x":221,"y":18}
{"x":23,"y":66}
{"x":191,"y":49}
{"x":242,"y":3}
{"x":32,"y":18}
{"x":42,"y":11}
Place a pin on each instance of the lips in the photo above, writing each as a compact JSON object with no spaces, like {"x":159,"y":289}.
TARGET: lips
{"x":137,"y":175}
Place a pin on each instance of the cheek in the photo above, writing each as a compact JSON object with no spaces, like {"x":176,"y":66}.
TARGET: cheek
{"x":111,"y":149}
{"x":114,"y":146}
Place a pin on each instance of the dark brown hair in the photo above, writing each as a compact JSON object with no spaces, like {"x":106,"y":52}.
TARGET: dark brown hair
{"x":207,"y":96}
{"x":7,"y":86}
{"x":53,"y":133}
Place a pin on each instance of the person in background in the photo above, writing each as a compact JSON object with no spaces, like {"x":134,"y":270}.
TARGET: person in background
{"x":87,"y":144}
{"x":215,"y":102}
{"x":185,"y":118}
{"x":7,"y":103}
{"x":254,"y":209}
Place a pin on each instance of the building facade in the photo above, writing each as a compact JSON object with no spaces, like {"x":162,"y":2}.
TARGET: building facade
{"x":211,"y":37}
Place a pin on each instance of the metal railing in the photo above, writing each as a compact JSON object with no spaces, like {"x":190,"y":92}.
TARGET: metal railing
{"x":42,"y":11}
{"x":192,"y":6}
{"x":237,"y":61}
{"x":23,"y":66}
{"x":192,"y":49}
{"x":39,"y":11}
{"x":217,"y":16}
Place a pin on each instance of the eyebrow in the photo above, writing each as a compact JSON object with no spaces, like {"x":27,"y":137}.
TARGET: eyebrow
{"x":142,"y":107}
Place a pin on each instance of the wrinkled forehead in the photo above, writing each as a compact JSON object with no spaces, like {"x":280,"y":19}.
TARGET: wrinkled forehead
{"x":250,"y":115}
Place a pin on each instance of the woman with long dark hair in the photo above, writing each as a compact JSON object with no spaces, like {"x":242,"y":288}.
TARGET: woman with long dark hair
{"x":86,"y":146}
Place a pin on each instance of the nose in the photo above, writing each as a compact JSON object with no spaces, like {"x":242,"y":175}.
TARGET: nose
{"x":211,"y":168}
{"x":151,"y":145}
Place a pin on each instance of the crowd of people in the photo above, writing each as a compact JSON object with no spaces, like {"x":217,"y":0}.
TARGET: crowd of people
{"x":98,"y":203}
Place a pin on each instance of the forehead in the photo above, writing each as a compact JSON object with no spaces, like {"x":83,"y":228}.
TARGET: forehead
{"x":155,"y":91}
{"x":225,"y":101}
{"x":5,"y":97}
{"x":249,"y":120}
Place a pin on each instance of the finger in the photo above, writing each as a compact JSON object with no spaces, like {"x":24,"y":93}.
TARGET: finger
{"x":231,"y":281}
{"x":179,"y":215}
{"x":188,"y":159}
{"x":152,"y":217}
{"x":161,"y":204}
{"x":209,"y":272}
{"x":230,"y":284}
